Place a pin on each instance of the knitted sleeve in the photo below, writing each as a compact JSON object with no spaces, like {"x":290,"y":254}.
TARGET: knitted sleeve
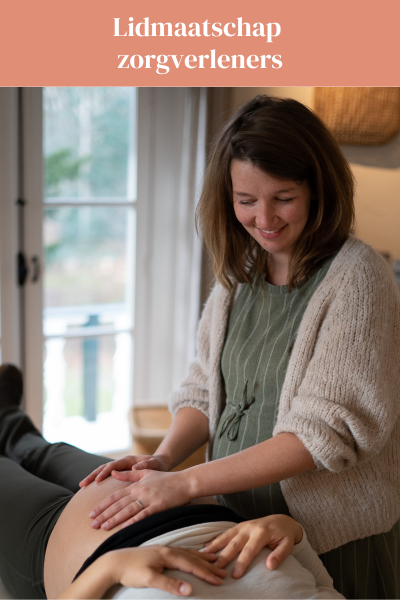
{"x":347,"y":398}
{"x":193,"y":391}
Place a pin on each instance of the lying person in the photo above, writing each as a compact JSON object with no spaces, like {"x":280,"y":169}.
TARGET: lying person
{"x":300,"y":575}
{"x":46,"y":538}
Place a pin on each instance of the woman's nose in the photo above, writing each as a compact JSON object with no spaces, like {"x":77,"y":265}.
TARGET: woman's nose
{"x":266,"y":217}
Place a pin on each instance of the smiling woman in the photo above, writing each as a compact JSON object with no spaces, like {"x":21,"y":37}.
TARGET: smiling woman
{"x":273,"y":211}
{"x":296,"y":382}
{"x":285,"y":141}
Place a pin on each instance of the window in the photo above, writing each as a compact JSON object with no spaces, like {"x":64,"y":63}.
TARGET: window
{"x":110,"y":248}
{"x":89,"y":229}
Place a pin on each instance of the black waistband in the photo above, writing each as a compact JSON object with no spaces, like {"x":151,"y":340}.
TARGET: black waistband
{"x":160,"y":523}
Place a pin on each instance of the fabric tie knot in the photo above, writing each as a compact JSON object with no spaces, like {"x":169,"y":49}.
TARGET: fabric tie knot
{"x":232,"y":423}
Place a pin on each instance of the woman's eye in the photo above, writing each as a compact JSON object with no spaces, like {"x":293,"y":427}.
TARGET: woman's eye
{"x":284,"y":199}
{"x":245,"y":203}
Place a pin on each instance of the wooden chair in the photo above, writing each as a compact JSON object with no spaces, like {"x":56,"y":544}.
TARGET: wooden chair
{"x":149,"y":424}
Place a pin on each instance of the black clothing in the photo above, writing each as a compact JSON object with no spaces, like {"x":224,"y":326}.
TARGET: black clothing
{"x":38,"y":480}
{"x":160,"y":523}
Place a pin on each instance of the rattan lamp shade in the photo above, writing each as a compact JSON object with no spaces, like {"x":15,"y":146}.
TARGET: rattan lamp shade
{"x":361,"y":116}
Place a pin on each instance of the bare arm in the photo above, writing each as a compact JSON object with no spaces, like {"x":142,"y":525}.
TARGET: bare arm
{"x":143,"y":567}
{"x":275,"y":459}
{"x":188,"y":432}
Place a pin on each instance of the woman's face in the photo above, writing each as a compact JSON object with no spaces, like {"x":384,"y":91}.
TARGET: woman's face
{"x":274,"y":211}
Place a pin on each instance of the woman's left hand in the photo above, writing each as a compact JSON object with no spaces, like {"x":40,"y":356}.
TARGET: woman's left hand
{"x":277,"y":532}
{"x":156,"y":491}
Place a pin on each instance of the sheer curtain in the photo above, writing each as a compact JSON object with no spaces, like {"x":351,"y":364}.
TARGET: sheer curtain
{"x":171,"y":161}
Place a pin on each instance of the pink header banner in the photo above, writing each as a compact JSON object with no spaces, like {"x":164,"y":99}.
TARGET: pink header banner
{"x":208,"y":43}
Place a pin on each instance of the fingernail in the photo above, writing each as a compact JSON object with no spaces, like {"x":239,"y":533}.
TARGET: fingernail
{"x":105,"y":525}
{"x":274,"y":563}
{"x":92,"y":515}
{"x":184,"y":589}
{"x":235,"y":572}
{"x":94,"y":524}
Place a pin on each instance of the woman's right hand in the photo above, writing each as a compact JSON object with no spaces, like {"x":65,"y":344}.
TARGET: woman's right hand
{"x":154,"y":462}
{"x":143,"y":568}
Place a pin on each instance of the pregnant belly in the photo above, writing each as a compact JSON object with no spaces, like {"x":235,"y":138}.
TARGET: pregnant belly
{"x":72,"y":539}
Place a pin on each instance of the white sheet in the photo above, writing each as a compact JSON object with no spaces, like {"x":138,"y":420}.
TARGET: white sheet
{"x":301,"y":576}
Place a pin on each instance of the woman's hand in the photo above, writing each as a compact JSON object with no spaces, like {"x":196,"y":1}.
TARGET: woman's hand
{"x":154,"y":462}
{"x":143,"y":567}
{"x":156,"y":491}
{"x":277,"y":532}
{"x":188,"y":432}
{"x":149,"y":562}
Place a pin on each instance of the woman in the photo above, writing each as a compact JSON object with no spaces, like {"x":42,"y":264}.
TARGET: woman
{"x":45,"y":533}
{"x":296,"y":382}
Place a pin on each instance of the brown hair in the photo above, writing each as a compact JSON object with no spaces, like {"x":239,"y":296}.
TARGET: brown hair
{"x":287,"y":140}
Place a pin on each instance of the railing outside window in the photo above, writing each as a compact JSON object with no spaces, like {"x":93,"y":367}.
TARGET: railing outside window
{"x":89,"y":229}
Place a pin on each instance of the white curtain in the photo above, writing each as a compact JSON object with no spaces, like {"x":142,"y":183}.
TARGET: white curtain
{"x":171,"y":161}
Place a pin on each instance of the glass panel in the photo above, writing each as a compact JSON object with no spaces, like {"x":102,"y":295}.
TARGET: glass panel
{"x":89,"y":264}
{"x":89,"y":267}
{"x":88,"y":148}
{"x":87,"y":391}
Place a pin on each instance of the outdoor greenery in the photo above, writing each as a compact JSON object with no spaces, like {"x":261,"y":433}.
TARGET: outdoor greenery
{"x":59,"y":167}
{"x":87,"y":149}
{"x":87,"y":152}
{"x":87,"y":132}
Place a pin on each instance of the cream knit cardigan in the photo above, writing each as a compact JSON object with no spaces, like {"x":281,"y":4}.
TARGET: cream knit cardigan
{"x":341,"y":397}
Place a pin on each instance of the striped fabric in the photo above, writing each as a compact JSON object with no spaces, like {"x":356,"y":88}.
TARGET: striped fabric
{"x":261,"y":333}
{"x":367,"y":568}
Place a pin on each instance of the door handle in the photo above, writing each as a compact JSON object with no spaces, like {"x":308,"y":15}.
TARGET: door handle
{"x":36,"y":269}
{"x":22,"y":269}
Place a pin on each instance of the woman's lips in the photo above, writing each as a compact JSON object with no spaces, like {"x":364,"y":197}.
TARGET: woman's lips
{"x":271,"y":236}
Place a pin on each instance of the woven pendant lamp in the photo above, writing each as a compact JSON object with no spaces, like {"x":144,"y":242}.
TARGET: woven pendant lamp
{"x":361,"y":115}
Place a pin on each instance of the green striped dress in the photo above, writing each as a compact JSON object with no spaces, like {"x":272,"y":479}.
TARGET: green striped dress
{"x":261,"y":333}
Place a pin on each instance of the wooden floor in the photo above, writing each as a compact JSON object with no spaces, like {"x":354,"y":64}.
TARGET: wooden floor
{"x":149,"y":426}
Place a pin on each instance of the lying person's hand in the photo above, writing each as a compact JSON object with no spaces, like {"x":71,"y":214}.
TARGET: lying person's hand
{"x":146,"y":571}
{"x":277,"y":532}
{"x":151,"y":492}
{"x":146,"y":461}
{"x":143,"y":567}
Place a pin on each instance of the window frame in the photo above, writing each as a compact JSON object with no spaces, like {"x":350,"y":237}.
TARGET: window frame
{"x":182,"y":176}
